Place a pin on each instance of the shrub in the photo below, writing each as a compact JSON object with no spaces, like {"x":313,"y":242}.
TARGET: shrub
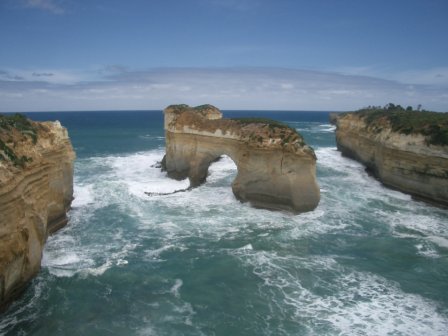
{"x":433,"y":125}
{"x":24,"y":126}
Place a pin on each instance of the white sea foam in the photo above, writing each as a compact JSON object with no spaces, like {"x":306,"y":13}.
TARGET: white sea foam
{"x":380,"y":307}
{"x":175,"y":289}
{"x":224,"y":168}
{"x":352,"y":301}
{"x":330,"y":157}
{"x":152,"y":137}
{"x":426,"y":250}
{"x":65,"y":256}
{"x":155,"y":254}
{"x":313,"y":127}
{"x":120,"y":181}
{"x":148,"y":330}
{"x":440,"y":241}
{"x":83,"y":195}
{"x":355,"y":303}
{"x":21,"y":312}
{"x":420,"y":223}
{"x":326,"y":128}
{"x":428,"y":229}
{"x":408,"y":219}
{"x":208,"y":211}
{"x":138,"y":173}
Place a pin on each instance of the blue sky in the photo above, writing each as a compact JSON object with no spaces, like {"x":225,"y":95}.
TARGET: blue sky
{"x":235,"y":54}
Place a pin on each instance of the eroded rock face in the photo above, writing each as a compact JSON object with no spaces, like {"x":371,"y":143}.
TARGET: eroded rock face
{"x":403,"y":162}
{"x":276,"y":169}
{"x":34,"y":200}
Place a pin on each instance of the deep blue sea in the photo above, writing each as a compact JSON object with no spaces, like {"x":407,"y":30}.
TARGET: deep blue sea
{"x":367,"y":261}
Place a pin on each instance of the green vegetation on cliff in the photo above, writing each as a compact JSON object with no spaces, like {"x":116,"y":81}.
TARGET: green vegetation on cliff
{"x":433,"y":125}
{"x":179,"y":108}
{"x":7,"y":126}
{"x":265,"y":121}
{"x":287,"y":133}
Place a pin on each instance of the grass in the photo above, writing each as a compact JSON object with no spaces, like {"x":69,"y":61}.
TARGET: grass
{"x":286,"y":137}
{"x":433,"y":125}
{"x":24,"y":126}
{"x":182,"y":107}
{"x":266,"y":121}
{"x":203,"y":107}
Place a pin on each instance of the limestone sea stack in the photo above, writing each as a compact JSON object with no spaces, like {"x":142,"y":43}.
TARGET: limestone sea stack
{"x":276,"y":169}
{"x":406,"y":150}
{"x":36,"y":190}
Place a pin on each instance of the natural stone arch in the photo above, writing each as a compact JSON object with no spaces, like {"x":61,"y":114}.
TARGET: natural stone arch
{"x":275,"y":168}
{"x":202,"y":171}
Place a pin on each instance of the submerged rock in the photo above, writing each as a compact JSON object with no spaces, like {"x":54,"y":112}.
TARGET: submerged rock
{"x":276,"y":169}
{"x":36,"y":190}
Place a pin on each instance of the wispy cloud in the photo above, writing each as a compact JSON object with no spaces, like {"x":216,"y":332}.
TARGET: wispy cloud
{"x":47,"y":5}
{"x":238,"y":5}
{"x":42,"y":74}
{"x":434,"y":76}
{"x":50,"y":76}
{"x":6,"y":75}
{"x":117,"y":87}
{"x":431,"y":76}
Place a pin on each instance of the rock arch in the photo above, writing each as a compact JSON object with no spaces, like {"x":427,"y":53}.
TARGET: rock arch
{"x":275,"y":168}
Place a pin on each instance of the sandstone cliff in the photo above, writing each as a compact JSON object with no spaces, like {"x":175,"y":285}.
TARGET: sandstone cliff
{"x":276,"y":169}
{"x":406,"y":162}
{"x":36,"y":188}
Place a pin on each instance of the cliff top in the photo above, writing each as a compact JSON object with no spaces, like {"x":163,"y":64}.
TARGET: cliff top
{"x":258,"y":132}
{"x":207,"y":111}
{"x":23,"y":140}
{"x":432,"y":125}
{"x":14,"y":128}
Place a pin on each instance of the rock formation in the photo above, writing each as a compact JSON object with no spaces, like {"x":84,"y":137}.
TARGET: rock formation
{"x":406,"y":162}
{"x":276,"y":169}
{"x":333,"y":116}
{"x":36,"y":190}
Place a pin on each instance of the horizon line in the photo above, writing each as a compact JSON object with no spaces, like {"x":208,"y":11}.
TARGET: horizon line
{"x":161,"y":110}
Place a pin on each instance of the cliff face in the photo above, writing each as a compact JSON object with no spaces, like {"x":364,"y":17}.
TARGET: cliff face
{"x":34,"y":199}
{"x":276,"y":169}
{"x":404,"y":162}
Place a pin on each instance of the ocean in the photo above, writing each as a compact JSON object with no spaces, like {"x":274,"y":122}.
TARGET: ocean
{"x":368,"y":261}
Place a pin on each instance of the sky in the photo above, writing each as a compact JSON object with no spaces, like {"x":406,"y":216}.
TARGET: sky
{"x":331,"y":55}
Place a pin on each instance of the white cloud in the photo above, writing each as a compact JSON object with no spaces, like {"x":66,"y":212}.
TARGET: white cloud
{"x":430,"y":76}
{"x":47,"y":5}
{"x":51,"y":76}
{"x":227,"y":88}
{"x":434,"y":76}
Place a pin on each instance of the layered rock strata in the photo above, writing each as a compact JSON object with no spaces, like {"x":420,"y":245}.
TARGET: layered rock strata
{"x":276,"y":169}
{"x":406,"y":162}
{"x":34,"y":198}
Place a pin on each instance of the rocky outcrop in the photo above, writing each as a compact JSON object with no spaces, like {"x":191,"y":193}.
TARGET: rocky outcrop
{"x":406,"y":162}
{"x":333,"y":116}
{"x":36,"y":190}
{"x":276,"y":169}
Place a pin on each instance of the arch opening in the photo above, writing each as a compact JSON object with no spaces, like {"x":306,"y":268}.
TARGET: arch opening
{"x":222,"y":171}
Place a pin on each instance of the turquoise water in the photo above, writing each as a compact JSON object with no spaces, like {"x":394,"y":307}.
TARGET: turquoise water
{"x":367,"y":261}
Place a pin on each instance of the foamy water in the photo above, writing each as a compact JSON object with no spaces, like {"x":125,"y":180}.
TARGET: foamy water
{"x":367,"y":261}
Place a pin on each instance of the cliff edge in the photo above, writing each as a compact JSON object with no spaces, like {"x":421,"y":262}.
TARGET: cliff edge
{"x":276,"y":169}
{"x":36,"y":190}
{"x":406,"y":150}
